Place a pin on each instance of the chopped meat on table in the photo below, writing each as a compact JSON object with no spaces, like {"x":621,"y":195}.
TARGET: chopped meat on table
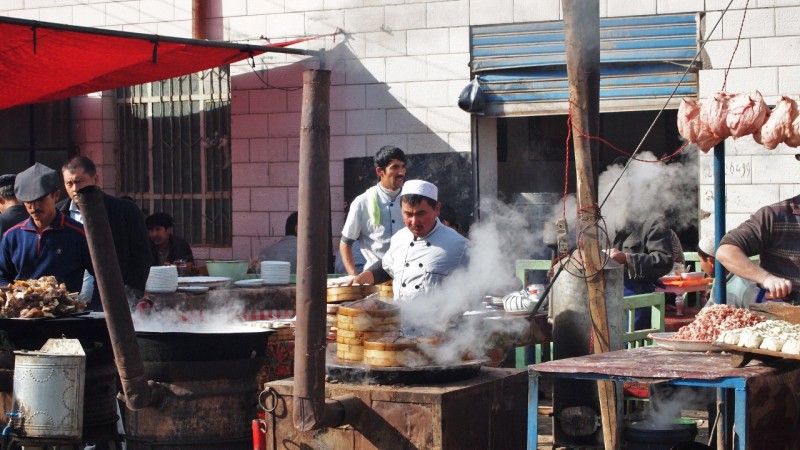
{"x":713,"y":320}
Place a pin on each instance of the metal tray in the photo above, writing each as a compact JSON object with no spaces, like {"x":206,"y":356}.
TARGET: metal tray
{"x":359,"y":373}
{"x":665,"y":341}
{"x":38,"y":319}
{"x":743,"y":355}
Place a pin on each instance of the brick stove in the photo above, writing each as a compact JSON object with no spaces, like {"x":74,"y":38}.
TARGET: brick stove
{"x":488,"y":411}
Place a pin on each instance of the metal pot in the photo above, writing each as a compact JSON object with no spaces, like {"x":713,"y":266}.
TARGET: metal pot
{"x":649,"y":435}
{"x":237,"y":343}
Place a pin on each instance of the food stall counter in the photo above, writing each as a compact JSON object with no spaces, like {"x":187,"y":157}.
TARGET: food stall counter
{"x":755,"y":398}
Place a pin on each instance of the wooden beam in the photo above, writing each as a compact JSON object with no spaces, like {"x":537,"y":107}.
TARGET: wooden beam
{"x":582,"y":35}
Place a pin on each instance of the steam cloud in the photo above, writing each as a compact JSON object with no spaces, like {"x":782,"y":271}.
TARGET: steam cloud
{"x":215,"y":316}
{"x":496,"y":243}
{"x":646,"y":190}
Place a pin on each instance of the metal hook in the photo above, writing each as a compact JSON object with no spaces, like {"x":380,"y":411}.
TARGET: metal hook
{"x":262,"y":403}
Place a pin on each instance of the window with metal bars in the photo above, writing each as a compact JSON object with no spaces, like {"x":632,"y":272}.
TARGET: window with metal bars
{"x":174,"y":152}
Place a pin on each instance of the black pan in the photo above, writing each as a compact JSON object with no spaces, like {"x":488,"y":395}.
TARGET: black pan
{"x":167,"y":346}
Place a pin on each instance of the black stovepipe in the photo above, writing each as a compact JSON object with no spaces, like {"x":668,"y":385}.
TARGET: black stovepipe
{"x":108,"y":280}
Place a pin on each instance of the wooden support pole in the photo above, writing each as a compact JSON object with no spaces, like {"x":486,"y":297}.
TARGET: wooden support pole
{"x":582,"y":36}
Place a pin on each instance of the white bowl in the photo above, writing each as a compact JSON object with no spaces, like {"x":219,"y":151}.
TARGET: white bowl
{"x":692,"y":275}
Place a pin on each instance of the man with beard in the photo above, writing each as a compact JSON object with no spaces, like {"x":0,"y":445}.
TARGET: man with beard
{"x":374,"y":216}
{"x":423,"y":253}
{"x":48,"y":243}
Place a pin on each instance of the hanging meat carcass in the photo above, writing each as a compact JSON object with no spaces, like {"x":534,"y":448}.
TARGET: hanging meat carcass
{"x":747,"y":113}
{"x":779,"y":127}
{"x":689,"y":119}
{"x":793,"y":138}
{"x":714,"y":113}
{"x":692,"y":128}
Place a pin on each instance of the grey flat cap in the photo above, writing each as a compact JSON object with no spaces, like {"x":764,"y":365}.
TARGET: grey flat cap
{"x":7,"y":179}
{"x":35,"y":182}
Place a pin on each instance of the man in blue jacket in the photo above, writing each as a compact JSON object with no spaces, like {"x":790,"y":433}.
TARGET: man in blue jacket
{"x":48,"y":243}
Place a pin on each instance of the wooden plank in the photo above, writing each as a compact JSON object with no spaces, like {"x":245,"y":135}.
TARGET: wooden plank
{"x":582,"y":36}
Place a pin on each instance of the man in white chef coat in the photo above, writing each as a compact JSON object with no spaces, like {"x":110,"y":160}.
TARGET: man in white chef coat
{"x":423,"y":253}
{"x":374,"y":216}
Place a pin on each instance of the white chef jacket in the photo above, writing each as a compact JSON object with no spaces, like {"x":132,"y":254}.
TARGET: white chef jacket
{"x":419,"y":265}
{"x":359,"y":226}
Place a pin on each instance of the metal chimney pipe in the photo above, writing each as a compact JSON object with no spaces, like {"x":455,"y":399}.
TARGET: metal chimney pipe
{"x":199,"y":14}
{"x":311,"y":411}
{"x":108,"y":280}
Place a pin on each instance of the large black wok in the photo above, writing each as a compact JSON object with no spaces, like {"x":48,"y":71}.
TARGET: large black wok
{"x":238,"y":342}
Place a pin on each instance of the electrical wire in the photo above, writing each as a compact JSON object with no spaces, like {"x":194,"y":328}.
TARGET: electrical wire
{"x":671,"y":95}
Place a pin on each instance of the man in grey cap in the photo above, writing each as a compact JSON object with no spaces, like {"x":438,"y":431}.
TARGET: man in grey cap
{"x":423,"y":253}
{"x":48,"y":243}
{"x":13,"y":211}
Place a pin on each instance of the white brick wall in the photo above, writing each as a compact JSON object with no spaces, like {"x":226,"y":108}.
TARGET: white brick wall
{"x":396,"y":75}
{"x":767,"y":59}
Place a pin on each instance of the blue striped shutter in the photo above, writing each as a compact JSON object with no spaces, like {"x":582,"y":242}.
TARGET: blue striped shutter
{"x":522,"y":67}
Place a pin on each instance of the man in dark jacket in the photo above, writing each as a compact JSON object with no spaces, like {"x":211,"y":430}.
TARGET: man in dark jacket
{"x":13,"y":211}
{"x":645,"y":249}
{"x":168,"y":248}
{"x":125,"y":219}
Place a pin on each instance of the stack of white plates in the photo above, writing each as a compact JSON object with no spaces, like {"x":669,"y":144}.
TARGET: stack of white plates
{"x":162,"y":279}
{"x":275,"y":272}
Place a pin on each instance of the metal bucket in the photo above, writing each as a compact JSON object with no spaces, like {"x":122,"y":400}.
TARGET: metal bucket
{"x":576,"y":401}
{"x":48,"y":390}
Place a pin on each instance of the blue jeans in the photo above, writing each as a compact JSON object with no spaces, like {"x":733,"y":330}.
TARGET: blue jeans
{"x":642,"y":316}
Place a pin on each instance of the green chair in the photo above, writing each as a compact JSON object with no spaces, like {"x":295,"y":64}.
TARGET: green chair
{"x":693,"y":259}
{"x":521,"y":353}
{"x":524,"y":265}
{"x":638,"y":338}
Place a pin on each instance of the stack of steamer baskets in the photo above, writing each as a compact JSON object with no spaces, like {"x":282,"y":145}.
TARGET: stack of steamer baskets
{"x":369,"y":333}
{"x":361,"y":321}
{"x":338,"y":295}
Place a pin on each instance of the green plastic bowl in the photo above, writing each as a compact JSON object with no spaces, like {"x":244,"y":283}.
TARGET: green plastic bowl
{"x":235,"y":270}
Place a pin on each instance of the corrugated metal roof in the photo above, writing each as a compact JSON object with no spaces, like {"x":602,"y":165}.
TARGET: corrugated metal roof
{"x":522,"y":67}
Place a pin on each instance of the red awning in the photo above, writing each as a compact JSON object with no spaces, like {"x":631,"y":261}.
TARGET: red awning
{"x":42,"y":61}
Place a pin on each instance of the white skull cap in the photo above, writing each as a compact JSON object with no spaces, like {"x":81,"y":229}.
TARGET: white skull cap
{"x":706,"y":244}
{"x":421,"y":187}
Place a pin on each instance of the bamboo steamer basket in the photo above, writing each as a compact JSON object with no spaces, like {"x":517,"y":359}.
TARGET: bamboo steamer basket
{"x":393,"y":352}
{"x":386,"y":291}
{"x":337,"y":294}
{"x":354,"y":325}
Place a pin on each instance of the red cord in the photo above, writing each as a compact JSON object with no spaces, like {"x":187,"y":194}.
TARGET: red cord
{"x":566,"y":160}
{"x":738,"y":38}
{"x":619,"y":150}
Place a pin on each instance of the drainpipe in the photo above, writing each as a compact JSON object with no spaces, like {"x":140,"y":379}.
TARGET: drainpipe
{"x":199,"y":14}
{"x":311,"y":410}
{"x":108,"y":280}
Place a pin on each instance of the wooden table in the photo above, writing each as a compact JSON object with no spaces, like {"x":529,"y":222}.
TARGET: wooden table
{"x":768,"y":391}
